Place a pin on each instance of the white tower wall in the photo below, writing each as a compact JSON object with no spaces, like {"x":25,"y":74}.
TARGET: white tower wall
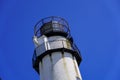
{"x":57,"y":65}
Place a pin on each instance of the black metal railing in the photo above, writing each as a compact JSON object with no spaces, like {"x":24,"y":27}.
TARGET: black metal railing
{"x":51,"y":23}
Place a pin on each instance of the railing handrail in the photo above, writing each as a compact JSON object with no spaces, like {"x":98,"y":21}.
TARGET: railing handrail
{"x":60,"y":21}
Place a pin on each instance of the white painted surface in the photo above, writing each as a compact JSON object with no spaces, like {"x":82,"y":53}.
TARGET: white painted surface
{"x":35,"y":40}
{"x":40,"y":40}
{"x":56,"y":38}
{"x":53,"y":42}
{"x":77,"y":69}
{"x":59,"y":66}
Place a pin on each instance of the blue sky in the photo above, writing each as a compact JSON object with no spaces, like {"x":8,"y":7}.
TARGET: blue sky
{"x":94,"y":24}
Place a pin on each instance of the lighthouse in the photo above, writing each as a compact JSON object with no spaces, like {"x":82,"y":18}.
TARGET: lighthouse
{"x":56,"y":57}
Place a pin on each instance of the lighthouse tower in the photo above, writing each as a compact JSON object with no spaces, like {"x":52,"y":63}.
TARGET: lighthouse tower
{"x":55,"y":57}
